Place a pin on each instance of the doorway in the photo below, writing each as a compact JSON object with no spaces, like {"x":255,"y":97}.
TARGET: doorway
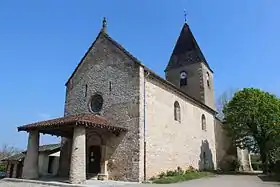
{"x":19,"y":170}
{"x":94,"y":157}
{"x":50,"y":165}
{"x":11,"y":171}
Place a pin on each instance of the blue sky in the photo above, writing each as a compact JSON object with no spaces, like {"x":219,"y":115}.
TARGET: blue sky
{"x":43,"y":41}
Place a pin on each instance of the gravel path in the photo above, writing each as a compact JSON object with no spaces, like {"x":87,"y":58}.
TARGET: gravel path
{"x":218,"y":181}
{"x":20,"y":184}
{"x":224,"y":181}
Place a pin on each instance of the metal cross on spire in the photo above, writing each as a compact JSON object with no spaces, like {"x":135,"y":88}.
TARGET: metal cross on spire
{"x":185,"y":15}
{"x":104,"y":25}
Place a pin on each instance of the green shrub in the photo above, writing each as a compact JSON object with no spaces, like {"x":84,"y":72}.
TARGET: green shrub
{"x":276,"y":167}
{"x":183,"y":177}
{"x":2,"y":167}
{"x":191,"y":169}
{"x":256,"y":165}
{"x":161,"y":175}
{"x":177,"y":175}
{"x":171,"y":173}
{"x":180,"y":171}
{"x":234,"y":165}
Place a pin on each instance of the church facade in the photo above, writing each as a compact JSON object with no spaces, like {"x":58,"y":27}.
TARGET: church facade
{"x":122,"y":121}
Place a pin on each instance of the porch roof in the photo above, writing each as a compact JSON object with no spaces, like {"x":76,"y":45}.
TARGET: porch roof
{"x":64,"y":125}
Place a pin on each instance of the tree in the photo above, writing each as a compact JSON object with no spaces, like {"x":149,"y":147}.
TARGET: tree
{"x":7,"y":151}
{"x":252,"y":118}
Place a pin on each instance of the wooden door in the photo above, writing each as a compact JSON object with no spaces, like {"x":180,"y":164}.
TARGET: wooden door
{"x":94,"y":156}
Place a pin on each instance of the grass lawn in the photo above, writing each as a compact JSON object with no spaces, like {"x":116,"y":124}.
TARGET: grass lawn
{"x":181,"y":177}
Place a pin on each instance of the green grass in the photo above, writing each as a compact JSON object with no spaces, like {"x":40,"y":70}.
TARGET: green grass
{"x":182,"y":177}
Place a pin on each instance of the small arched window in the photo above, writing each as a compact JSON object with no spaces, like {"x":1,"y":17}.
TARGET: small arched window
{"x":203,"y":122}
{"x":177,"y":112}
{"x":183,"y":78}
{"x":208,"y":79}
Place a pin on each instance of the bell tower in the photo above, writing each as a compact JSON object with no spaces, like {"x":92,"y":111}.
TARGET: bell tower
{"x":188,"y":69}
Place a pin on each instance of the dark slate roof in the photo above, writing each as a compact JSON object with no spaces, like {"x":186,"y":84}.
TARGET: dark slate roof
{"x":101,"y":33}
{"x":42,"y":148}
{"x":16,"y":157}
{"x":88,"y":120}
{"x":186,"y":50}
{"x":49,"y":147}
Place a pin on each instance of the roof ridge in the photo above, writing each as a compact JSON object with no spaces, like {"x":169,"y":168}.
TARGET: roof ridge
{"x":88,"y":50}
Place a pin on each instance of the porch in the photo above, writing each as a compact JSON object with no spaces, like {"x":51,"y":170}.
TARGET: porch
{"x":84,"y":147}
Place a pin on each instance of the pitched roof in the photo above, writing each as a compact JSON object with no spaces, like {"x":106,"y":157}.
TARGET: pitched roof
{"x":115,"y":43}
{"x":105,"y":35}
{"x":42,"y":148}
{"x":49,"y":147}
{"x":186,"y":50}
{"x":16,"y":157}
{"x":88,"y":120}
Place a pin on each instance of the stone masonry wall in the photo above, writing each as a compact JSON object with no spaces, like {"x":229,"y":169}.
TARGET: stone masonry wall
{"x":65,"y":157}
{"x":209,"y":97}
{"x":106,"y":70}
{"x":30,"y":166}
{"x":194,"y":87}
{"x":226,"y":151}
{"x":171,"y":143}
{"x":78,"y":159}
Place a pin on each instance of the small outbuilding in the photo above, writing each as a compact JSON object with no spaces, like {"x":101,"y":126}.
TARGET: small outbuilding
{"x":48,"y":161}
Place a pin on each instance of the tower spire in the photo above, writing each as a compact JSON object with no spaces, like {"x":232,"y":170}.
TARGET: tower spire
{"x":104,"y":25}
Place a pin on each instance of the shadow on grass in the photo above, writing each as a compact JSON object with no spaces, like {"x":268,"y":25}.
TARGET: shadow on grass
{"x":235,"y":173}
{"x":268,"y":178}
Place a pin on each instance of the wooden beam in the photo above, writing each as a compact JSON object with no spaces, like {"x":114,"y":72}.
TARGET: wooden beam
{"x":57,"y":132}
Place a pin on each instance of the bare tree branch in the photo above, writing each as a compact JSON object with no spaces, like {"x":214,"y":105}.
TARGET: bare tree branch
{"x":7,"y":151}
{"x":222,"y":100}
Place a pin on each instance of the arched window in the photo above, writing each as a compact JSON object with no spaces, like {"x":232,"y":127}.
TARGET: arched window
{"x":203,"y":122}
{"x":208,"y":79}
{"x":177,"y":113}
{"x":183,"y":78}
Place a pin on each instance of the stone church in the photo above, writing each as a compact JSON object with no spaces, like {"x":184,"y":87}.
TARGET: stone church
{"x":122,"y":121}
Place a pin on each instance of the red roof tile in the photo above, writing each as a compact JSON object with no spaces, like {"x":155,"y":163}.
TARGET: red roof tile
{"x":88,"y":120}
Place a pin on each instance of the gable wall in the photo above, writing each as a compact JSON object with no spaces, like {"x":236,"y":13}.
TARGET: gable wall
{"x":104,"y":63}
{"x":169,"y":143}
